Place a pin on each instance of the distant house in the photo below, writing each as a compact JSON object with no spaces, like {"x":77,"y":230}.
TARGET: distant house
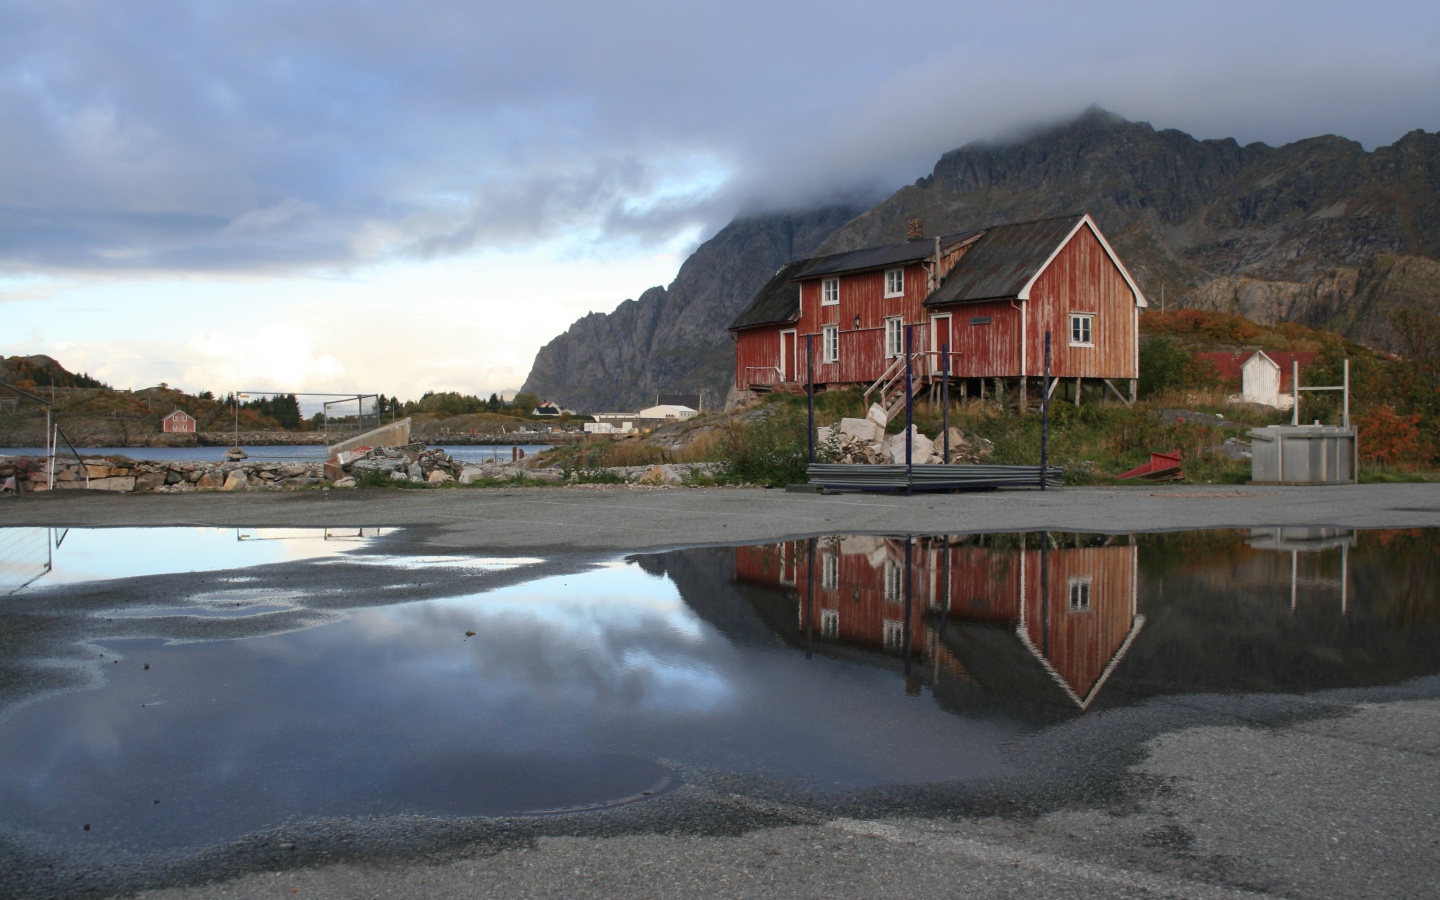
{"x":667,"y":411}
{"x":627,"y":422}
{"x":1266,"y":378}
{"x":178,"y":422}
{"x":548,"y":408}
{"x":987,"y":296}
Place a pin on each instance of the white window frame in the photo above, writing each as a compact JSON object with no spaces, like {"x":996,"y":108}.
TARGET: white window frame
{"x":829,"y":343}
{"x":893,"y":633}
{"x":1082,"y":329}
{"x":1081,"y":593}
{"x":894,"y":575}
{"x":895,"y":282}
{"x":894,"y":336}
{"x":829,"y":291}
{"x":829,"y":571}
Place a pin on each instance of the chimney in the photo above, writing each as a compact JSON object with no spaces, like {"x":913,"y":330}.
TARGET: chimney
{"x":913,"y":230}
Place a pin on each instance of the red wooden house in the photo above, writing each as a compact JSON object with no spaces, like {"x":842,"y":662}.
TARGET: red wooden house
{"x":980,"y":301}
{"x":1050,"y":629}
{"x":178,"y":422}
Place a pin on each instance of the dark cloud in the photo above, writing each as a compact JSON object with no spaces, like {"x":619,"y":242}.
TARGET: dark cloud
{"x":196,"y":136}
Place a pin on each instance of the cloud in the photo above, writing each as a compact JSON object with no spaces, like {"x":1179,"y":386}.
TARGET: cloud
{"x":271,"y":137}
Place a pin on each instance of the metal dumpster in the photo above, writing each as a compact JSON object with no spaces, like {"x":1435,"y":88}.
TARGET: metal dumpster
{"x":1302,"y":454}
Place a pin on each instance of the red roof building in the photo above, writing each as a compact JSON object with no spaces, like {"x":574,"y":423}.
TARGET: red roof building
{"x":974,"y":306}
{"x":178,"y":422}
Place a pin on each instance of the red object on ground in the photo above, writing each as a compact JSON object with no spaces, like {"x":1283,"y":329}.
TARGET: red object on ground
{"x":1161,"y":467}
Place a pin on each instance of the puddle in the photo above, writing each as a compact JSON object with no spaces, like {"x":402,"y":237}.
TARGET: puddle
{"x":46,"y":557}
{"x":836,"y":663}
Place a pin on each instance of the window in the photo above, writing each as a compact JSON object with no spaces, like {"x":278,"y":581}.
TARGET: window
{"x":829,"y":343}
{"x":830,"y":623}
{"x":1080,"y":594}
{"x":1081,"y":331}
{"x":829,"y":571}
{"x":894,"y":282}
{"x":894,"y":582}
{"x":829,"y":291}
{"x":894,"y":634}
{"x":894,"y":337}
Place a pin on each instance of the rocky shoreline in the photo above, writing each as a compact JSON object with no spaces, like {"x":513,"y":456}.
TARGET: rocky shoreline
{"x":415,"y":464}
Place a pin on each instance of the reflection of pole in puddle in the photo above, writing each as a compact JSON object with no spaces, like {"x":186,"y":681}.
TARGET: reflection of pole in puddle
{"x":809,"y":596}
{"x":912,"y":683}
{"x":1045,"y":594}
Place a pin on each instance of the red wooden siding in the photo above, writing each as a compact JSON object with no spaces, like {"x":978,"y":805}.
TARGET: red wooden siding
{"x":985,"y":349}
{"x":1083,"y":279}
{"x":985,"y":337}
{"x":998,"y":587}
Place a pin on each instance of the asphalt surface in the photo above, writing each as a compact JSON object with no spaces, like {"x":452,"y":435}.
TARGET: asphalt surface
{"x":1324,"y":795}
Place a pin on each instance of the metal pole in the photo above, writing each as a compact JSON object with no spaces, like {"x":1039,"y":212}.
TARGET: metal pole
{"x":1045,"y":414}
{"x":1294,"y":392}
{"x":1345,"y":409}
{"x":810,"y":390}
{"x":909,"y":407}
{"x":945,"y":397}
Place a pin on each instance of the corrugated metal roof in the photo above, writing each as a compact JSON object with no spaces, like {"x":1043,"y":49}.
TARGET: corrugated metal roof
{"x":877,"y":257}
{"x":1003,"y":260}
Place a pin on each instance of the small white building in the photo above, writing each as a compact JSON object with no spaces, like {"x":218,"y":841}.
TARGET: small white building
{"x":667,"y":411}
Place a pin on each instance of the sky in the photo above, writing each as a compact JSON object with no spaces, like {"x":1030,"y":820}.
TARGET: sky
{"x":368,"y":196}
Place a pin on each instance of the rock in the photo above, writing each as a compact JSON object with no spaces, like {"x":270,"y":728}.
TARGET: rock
{"x":439,"y":477}
{"x":118,"y":483}
{"x":209,"y":481}
{"x":864,"y":430}
{"x":174,"y":476}
{"x":236,"y":480}
{"x":150,"y":481}
{"x":552,"y":476}
{"x":471,"y":474}
{"x":345,"y":483}
{"x":876,"y":413}
{"x":660,"y":475}
{"x":922,"y":449}
{"x":398,"y":475}
{"x":415,"y":472}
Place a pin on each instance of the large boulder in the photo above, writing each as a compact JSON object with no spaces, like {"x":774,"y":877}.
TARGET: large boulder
{"x":236,"y":480}
{"x":863,"y":430}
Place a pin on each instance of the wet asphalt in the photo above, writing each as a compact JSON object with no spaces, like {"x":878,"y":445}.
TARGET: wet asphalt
{"x":1324,"y":795}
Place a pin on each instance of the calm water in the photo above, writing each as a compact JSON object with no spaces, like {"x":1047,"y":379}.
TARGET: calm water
{"x":276,"y":675}
{"x":310,"y":453}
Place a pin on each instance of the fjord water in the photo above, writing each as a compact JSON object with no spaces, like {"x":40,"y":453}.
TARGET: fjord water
{"x":229,"y":682}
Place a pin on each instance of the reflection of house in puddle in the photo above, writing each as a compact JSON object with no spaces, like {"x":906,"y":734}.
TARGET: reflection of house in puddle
{"x":1305,"y":544}
{"x":1024,"y":617}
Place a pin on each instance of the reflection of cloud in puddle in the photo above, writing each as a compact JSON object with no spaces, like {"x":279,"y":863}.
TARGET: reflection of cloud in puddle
{"x":102,"y":554}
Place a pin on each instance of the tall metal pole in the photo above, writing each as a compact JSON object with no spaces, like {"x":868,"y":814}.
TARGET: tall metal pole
{"x":1045,"y":415}
{"x":945,"y":396}
{"x":810,"y":390}
{"x":909,"y":408}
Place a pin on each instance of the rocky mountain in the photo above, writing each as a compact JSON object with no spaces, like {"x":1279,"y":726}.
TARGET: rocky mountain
{"x":674,"y":339}
{"x":1319,"y":231}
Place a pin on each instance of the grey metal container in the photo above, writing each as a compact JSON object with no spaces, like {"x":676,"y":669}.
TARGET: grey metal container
{"x":1303,"y":454}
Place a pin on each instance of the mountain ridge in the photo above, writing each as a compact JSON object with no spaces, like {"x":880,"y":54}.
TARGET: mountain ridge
{"x":1318,"y":231}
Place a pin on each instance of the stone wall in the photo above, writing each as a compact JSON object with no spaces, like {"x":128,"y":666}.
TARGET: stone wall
{"x":31,"y":474}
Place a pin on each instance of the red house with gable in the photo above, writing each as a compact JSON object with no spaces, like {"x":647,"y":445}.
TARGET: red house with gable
{"x":178,"y":422}
{"x":986,"y":296}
